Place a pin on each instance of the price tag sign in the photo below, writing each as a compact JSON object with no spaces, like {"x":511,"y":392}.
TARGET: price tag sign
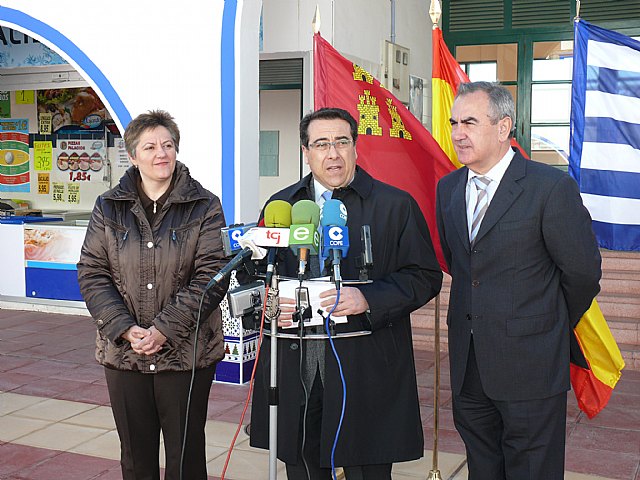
{"x":43,"y":183}
{"x":42,"y":155}
{"x":5,"y":104}
{"x":73,"y":193}
{"x":58,"y":192}
{"x":44,"y":127}
{"x":24,"y":97}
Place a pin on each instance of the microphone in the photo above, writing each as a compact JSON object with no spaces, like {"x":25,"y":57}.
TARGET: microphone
{"x":365,"y":261}
{"x":231,"y":235}
{"x":304,"y":238}
{"x":335,"y":235}
{"x":277,"y":217}
{"x":244,"y":255}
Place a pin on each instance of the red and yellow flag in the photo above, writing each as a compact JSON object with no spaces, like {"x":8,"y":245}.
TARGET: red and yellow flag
{"x":592,"y":385}
{"x":446,"y":76}
{"x":393,"y":145}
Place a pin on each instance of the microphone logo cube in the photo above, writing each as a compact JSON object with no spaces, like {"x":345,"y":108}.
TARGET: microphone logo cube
{"x":304,"y":236}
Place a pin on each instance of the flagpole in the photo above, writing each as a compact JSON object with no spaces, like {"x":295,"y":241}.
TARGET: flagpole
{"x":435,"y":11}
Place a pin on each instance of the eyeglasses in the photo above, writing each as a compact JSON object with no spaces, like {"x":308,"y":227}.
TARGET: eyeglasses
{"x":341,"y":144}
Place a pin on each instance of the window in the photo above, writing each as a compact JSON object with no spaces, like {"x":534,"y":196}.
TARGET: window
{"x":551,"y":101}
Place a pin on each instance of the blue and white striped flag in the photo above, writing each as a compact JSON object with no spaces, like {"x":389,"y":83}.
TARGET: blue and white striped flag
{"x":605,"y":133}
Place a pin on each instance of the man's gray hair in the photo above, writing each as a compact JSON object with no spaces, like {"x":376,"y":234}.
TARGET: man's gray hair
{"x":501,"y":102}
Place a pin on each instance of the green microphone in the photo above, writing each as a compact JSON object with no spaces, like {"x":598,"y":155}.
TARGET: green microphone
{"x":304,"y":238}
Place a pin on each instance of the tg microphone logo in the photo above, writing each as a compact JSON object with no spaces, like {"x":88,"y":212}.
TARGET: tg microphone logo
{"x":273,"y":235}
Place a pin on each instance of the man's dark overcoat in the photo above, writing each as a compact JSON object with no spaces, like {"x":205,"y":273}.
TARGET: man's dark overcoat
{"x":382,"y":419}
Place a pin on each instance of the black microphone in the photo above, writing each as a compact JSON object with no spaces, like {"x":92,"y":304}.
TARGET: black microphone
{"x":237,"y":261}
{"x":365,"y":261}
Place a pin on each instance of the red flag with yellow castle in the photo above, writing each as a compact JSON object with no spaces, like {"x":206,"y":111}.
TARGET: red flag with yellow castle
{"x":393,"y":145}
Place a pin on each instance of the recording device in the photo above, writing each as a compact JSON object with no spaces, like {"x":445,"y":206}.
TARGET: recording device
{"x":365,"y":261}
{"x":303,"y":311}
{"x":304,"y":238}
{"x":335,"y":235}
{"x":246,"y":302}
{"x":231,"y":235}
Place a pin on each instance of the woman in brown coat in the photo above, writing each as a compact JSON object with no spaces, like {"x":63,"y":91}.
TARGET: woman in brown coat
{"x":151,"y":247}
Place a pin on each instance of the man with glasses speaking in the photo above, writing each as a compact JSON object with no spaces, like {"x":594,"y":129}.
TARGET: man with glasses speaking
{"x":381,"y":423}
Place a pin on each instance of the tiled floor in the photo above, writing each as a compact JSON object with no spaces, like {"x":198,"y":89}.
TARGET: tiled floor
{"x":54,"y":412}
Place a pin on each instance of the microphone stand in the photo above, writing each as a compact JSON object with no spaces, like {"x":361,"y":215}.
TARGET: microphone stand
{"x":273,"y":391}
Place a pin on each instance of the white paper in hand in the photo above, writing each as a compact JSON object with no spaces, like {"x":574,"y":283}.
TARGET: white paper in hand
{"x":315,"y":287}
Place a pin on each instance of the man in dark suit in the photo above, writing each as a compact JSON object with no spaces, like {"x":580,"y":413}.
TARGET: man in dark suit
{"x":381,"y":423}
{"x":525,"y":266}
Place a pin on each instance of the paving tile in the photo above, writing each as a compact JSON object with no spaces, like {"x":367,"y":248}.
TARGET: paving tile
{"x":69,"y":466}
{"x":106,"y":445}
{"x":87,"y":393}
{"x":53,"y":410}
{"x":226,"y":391}
{"x":85,"y":355}
{"x":60,"y":435}
{"x":99,"y":417}
{"x":14,"y":428}
{"x":44,"y":368}
{"x":598,"y":438}
{"x":447,"y":464}
{"x":15,"y":457}
{"x":221,"y":433}
{"x":47,"y":387}
{"x":612,"y":465}
{"x":245,"y":465}
{"x":11,"y":402}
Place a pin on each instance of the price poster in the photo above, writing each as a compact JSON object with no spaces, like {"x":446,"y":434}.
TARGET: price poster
{"x":44,"y":180}
{"x":14,"y":155}
{"x":81,"y":161}
{"x":73,"y":193}
{"x":5,"y":104}
{"x":58,"y":192}
{"x":42,"y":155}
{"x":44,"y":126}
{"x":25,"y":97}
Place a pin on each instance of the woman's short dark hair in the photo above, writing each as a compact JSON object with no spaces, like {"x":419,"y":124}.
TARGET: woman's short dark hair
{"x":148,"y":121}
{"x":327,"y":114}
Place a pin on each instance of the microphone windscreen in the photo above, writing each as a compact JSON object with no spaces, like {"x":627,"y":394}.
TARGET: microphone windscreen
{"x":277,"y":214}
{"x":305,"y":212}
{"x":333,"y":213}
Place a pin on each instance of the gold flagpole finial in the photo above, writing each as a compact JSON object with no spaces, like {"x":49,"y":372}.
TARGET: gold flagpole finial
{"x":577,"y":18}
{"x":435,"y":11}
{"x":316,"y":20}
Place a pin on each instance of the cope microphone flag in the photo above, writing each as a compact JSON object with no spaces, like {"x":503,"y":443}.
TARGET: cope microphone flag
{"x":304,"y":238}
{"x":335,"y":235}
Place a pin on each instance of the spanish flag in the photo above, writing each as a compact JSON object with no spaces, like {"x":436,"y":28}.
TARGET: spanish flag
{"x":446,"y":76}
{"x":596,"y":362}
{"x":393,"y":145}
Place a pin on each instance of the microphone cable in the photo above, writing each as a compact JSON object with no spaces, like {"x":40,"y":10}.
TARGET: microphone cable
{"x":344,"y":384}
{"x":193,"y":376}
{"x":251,"y":380}
{"x":304,"y":387}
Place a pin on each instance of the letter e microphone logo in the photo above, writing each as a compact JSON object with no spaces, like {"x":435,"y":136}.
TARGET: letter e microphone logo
{"x":301,"y":233}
